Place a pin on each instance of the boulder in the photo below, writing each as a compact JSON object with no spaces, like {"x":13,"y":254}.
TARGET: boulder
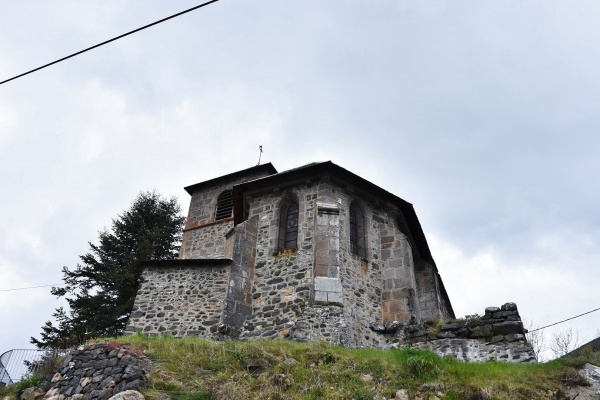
{"x":509,"y":327}
{"x":377,"y":327}
{"x":393,"y":326}
{"x":481,"y":331}
{"x":509,"y":307}
{"x":452,"y":326}
{"x":128,"y":395}
{"x":33,"y":393}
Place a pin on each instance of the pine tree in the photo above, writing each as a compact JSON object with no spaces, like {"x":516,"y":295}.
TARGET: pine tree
{"x":100,"y":292}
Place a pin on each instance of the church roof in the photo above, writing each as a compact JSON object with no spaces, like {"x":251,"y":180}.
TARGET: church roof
{"x":266,"y":169}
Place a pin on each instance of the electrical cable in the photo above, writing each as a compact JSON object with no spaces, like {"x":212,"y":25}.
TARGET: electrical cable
{"x":560,"y":322}
{"x":32,"y":287}
{"x":111,"y":40}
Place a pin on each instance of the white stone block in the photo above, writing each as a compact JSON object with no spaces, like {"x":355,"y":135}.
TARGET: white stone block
{"x":320,"y":296}
{"x":328,"y":284}
{"x":334,"y":297}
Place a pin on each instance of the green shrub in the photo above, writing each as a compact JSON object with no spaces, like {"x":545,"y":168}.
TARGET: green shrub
{"x":419,"y":363}
{"x":26,"y":383}
{"x":362,"y":394}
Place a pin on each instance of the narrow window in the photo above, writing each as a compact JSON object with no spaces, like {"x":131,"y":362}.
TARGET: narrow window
{"x":224,"y":205}
{"x":288,"y":223}
{"x":291,"y":227}
{"x":357,"y":231}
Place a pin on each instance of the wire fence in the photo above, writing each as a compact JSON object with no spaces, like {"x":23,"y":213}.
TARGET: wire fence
{"x":17,"y":364}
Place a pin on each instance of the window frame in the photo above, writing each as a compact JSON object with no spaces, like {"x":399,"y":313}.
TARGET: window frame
{"x":288,"y":235}
{"x":357,"y":223}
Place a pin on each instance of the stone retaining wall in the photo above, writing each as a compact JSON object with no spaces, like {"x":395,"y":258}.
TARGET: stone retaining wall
{"x":475,"y":350}
{"x":97,"y":372}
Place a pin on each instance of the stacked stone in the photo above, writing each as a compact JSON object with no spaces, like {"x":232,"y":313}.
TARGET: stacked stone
{"x":181,"y":298}
{"x":497,"y":325}
{"x":97,"y":372}
{"x":497,"y":335}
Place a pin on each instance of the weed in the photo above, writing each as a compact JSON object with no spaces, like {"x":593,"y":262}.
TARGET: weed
{"x":362,"y":394}
{"x":421,"y":365}
{"x":316,"y":393}
{"x":202,"y":395}
{"x":239,"y":353}
{"x":26,"y":383}
{"x":571,"y":378}
{"x":434,"y":326}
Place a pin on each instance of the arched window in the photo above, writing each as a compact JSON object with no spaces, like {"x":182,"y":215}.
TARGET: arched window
{"x":357,"y":231}
{"x":291,"y":227}
{"x":288,"y":224}
{"x":224,"y":205}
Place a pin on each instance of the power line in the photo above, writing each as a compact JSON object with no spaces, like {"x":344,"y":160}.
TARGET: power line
{"x":111,"y":40}
{"x":560,"y":322}
{"x":32,"y":287}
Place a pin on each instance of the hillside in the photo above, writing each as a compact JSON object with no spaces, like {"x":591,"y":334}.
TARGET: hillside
{"x":196,"y":369}
{"x":200,"y":369}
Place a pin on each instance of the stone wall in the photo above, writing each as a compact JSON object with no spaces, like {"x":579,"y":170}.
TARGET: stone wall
{"x":292,"y":285}
{"x":181,"y":297}
{"x":203,"y":237}
{"x":283,"y":279}
{"x":497,"y":335}
{"x":97,"y":372}
{"x":362,"y":300}
{"x":432,"y":304}
{"x":271,"y":292}
{"x":498,"y":324}
{"x":206,"y":241}
{"x":477,"y":351}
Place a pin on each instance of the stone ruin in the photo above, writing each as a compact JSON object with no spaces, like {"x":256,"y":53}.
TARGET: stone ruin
{"x":497,"y":335}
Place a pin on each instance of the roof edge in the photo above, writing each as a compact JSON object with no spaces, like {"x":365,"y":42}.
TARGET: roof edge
{"x":187,"y":262}
{"x":268,"y":168}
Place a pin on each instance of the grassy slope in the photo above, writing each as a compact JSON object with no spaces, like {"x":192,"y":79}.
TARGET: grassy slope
{"x":197,"y":369}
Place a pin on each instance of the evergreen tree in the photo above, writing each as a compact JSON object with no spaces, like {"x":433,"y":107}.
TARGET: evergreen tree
{"x":100,"y":292}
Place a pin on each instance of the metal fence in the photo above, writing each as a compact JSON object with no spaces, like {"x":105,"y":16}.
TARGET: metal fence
{"x":17,"y":364}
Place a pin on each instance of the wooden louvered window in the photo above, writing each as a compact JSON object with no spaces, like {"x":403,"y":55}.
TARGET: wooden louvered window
{"x":291,"y":227}
{"x":224,"y":205}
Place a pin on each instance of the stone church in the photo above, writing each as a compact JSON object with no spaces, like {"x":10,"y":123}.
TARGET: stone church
{"x":312,"y":253}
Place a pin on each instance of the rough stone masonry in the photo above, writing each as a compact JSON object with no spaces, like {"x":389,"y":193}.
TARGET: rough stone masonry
{"x":313,"y":253}
{"x":97,"y":372}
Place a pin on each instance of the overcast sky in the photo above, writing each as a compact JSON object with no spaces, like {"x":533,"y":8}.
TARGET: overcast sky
{"x":484,"y":115}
